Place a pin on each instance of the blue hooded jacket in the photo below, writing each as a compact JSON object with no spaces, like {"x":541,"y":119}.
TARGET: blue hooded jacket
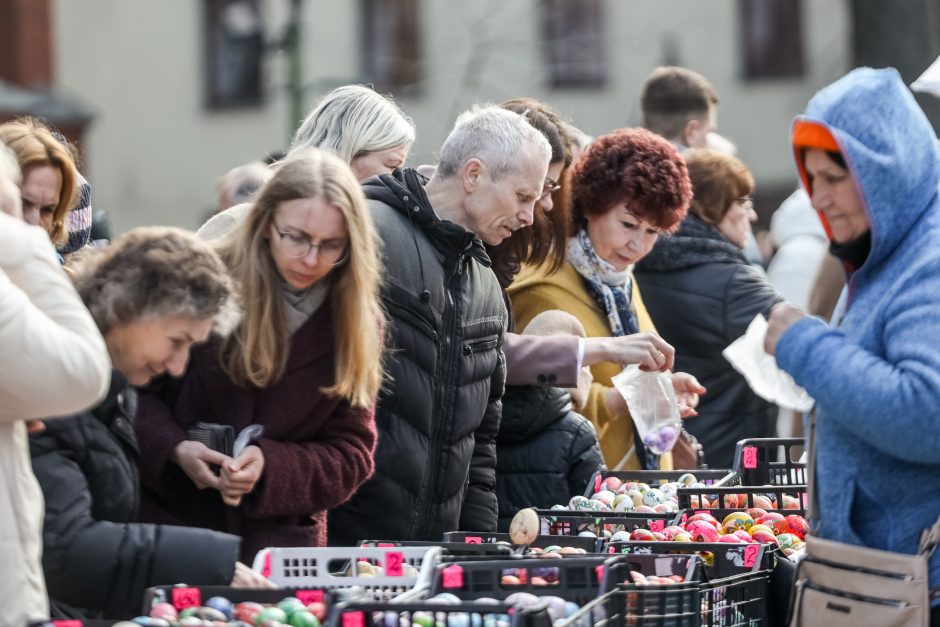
{"x":876,"y":376}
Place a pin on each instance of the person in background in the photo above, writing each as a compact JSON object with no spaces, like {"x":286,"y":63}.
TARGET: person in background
{"x":305,"y":363}
{"x":545,"y":451}
{"x":616,"y":222}
{"x":239,"y":184}
{"x":680,"y":105}
{"x":868,"y":158}
{"x":154,"y":293}
{"x":363,"y":128}
{"x":54,"y":363}
{"x":702,"y":294}
{"x":438,"y":418}
{"x":50,"y":179}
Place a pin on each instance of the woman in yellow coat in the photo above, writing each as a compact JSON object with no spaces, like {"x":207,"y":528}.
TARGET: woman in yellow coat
{"x":629,"y":187}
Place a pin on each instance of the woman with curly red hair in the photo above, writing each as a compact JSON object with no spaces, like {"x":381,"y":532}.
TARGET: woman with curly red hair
{"x":629,"y":187}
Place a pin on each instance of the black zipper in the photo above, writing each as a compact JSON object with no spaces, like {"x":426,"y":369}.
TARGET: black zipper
{"x":479,"y":346}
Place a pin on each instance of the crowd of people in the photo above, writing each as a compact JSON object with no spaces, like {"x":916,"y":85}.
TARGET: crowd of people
{"x":400,"y":352}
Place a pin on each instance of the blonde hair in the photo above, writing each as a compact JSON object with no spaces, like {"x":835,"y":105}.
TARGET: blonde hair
{"x":35,"y":146}
{"x":256,"y":352}
{"x":352,"y":121}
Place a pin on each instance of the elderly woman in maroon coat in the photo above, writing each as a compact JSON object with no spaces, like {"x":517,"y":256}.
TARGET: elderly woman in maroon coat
{"x":305,"y":364}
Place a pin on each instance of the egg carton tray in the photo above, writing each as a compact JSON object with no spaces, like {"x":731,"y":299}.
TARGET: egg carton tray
{"x":334,"y":568}
{"x":591,"y":545}
{"x":654,"y":478}
{"x":774,"y":461}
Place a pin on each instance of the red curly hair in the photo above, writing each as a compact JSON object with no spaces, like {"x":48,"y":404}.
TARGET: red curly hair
{"x":634,"y":166}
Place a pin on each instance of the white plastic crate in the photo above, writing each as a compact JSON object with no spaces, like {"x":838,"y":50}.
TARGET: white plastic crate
{"x":337,"y":568}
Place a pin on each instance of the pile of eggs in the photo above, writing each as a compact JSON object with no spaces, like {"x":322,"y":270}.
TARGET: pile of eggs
{"x":751,"y":526}
{"x":217,"y":611}
{"x":618,"y":497}
{"x":735,"y":501}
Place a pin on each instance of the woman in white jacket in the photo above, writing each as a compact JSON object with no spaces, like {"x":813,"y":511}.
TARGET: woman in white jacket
{"x":53,"y":362}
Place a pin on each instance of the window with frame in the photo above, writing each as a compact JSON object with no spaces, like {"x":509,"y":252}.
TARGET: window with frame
{"x":391,"y":45}
{"x":574,"y":43}
{"x":234,"y":47}
{"x":772,"y":38}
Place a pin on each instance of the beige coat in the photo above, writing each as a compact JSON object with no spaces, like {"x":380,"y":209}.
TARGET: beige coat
{"x":53,"y":362}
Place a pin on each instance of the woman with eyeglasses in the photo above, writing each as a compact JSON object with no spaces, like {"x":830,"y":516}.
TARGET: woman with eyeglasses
{"x":304,"y":364}
{"x":702,"y":294}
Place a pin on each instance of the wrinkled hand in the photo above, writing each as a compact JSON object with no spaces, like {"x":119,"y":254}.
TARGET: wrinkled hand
{"x":651,"y":352}
{"x":195,"y":458}
{"x":782,"y":317}
{"x":688,"y":390}
{"x":247,"y":578}
{"x":240,"y":475}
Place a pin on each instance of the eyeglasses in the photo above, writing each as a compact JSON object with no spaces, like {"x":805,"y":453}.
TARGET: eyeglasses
{"x":332,"y":252}
{"x":550,"y":187}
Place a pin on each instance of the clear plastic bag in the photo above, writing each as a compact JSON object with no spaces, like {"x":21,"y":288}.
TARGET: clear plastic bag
{"x":653,"y":406}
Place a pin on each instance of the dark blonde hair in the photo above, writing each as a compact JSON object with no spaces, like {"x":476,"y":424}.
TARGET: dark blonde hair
{"x":35,"y":146}
{"x":718,"y":179}
{"x":256,"y":352}
{"x":156,"y":272}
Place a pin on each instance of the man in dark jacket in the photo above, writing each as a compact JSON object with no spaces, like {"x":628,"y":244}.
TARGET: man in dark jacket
{"x":438,"y":416}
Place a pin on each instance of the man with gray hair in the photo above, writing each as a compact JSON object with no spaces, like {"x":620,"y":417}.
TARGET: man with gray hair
{"x":437,"y":418}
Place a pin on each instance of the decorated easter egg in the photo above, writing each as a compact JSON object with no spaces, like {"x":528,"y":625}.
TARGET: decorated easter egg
{"x":642,"y":535}
{"x":612,"y":483}
{"x":577,"y":502}
{"x":163,"y":610}
{"x":303,"y":618}
{"x":797,"y":524}
{"x":221,"y":604}
{"x":644,"y":509}
{"x":711,"y":520}
{"x":735,"y":521}
{"x":604,"y":496}
{"x":687,"y":479}
{"x":671,"y":531}
{"x":745,"y":536}
{"x":769,"y":517}
{"x":702,"y":531}
{"x":524,"y":526}
{"x":247,"y":611}
{"x":755,"y":513}
{"x":682,"y":536}
{"x":669,"y":490}
{"x":763,"y":536}
{"x":273,"y":613}
{"x":760,"y":527}
{"x":790,"y":502}
{"x":780,"y":526}
{"x":622,"y":503}
{"x":787,"y":540}
{"x":764,"y":502}
{"x":620,"y":536}
{"x":290,"y":604}
{"x":730,"y":539}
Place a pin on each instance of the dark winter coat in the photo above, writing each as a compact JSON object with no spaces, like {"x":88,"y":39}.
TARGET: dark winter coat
{"x":317,"y":448}
{"x":438,"y":415}
{"x":702,"y":294}
{"x":94,"y":557}
{"x":546,"y":453}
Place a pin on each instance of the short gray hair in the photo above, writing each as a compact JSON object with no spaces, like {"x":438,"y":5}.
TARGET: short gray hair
{"x":495,"y":136}
{"x":157,"y":272}
{"x":9,"y":166}
{"x":353,"y":120}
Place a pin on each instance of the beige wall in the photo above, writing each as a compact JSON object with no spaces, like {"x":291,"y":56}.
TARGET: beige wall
{"x":154,"y":151}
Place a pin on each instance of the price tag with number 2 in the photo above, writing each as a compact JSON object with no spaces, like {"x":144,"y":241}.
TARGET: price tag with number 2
{"x":750,"y":457}
{"x":393,"y":561}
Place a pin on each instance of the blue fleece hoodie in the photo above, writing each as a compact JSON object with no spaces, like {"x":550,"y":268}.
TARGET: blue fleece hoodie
{"x":876,"y":376}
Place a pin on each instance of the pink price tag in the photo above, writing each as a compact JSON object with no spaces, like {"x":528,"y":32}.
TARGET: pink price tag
{"x":383,"y":545}
{"x":750,"y":456}
{"x":309,"y":596}
{"x":186,"y":597}
{"x":597,"y":483}
{"x":657,"y":525}
{"x":67,"y":623}
{"x":393,"y":562}
{"x":750,"y":554}
{"x":354,"y":619}
{"x":266,"y":565}
{"x":452,"y":576}
{"x":599,"y":569}
{"x":473,"y":539}
{"x":611,"y":549}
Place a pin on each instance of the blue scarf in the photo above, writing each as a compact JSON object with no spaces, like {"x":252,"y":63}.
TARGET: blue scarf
{"x":611,"y":289}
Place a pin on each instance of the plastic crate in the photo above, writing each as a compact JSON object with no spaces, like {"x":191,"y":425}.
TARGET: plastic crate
{"x":656,"y":477}
{"x":718,"y":559}
{"x":447,"y":548}
{"x":365,"y":614}
{"x":691,"y":498}
{"x":736,"y":601}
{"x":676,"y":605}
{"x":756,"y":463}
{"x":183,"y":596}
{"x":591,"y":545}
{"x":331,"y":568}
{"x":567,"y":522}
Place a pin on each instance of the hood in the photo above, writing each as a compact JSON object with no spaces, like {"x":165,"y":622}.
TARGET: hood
{"x":528,"y":409}
{"x":695,"y":243}
{"x":889,"y":148}
{"x":403,"y":190}
{"x":795,"y":217}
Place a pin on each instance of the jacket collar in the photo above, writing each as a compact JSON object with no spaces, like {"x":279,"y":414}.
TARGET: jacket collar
{"x":694,"y":244}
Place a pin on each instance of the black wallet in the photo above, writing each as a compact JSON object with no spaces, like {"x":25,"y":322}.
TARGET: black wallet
{"x":214,"y":436}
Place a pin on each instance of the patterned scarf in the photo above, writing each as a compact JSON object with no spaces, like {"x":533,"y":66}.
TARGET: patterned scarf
{"x":610,"y":288}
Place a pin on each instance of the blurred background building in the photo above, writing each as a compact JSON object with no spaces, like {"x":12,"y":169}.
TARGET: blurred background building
{"x":165,"y":96}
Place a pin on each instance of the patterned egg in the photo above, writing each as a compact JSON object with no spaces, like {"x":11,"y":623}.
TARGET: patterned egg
{"x":683,"y":536}
{"x":623,"y":503}
{"x":764,"y":502}
{"x":669,"y":489}
{"x":756,"y":513}
{"x":702,"y":531}
{"x":577,"y":502}
{"x":644,"y":509}
{"x":768,"y":518}
{"x":636,"y":496}
{"x":780,"y":526}
{"x":687,"y":479}
{"x":741,"y":533}
{"x":671,"y":531}
{"x":653,"y":497}
{"x":642,"y":535}
{"x":642,"y":487}
{"x":760,"y":527}
{"x":797,"y":524}
{"x":524,"y":527}
{"x":736,"y":521}
{"x":604,"y":496}
{"x":763,"y":537}
{"x":790,"y":502}
{"x":730,"y":539}
{"x":711,"y":520}
{"x":787,"y":540}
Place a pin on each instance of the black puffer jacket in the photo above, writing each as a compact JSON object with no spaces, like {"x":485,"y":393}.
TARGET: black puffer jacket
{"x":702,"y":293}
{"x":96,"y":561}
{"x":437,"y":418}
{"x":546,"y":452}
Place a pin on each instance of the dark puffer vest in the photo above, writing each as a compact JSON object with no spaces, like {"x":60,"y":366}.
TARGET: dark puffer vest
{"x":437,"y":418}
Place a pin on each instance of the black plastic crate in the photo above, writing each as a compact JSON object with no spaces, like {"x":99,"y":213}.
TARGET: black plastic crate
{"x":691,"y":498}
{"x":366,"y":614}
{"x":718,"y":559}
{"x":655,"y":477}
{"x":181,"y":596}
{"x":591,"y":545}
{"x":675,"y":605}
{"x":567,"y":522}
{"x":756,"y":461}
{"x":736,"y":601}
